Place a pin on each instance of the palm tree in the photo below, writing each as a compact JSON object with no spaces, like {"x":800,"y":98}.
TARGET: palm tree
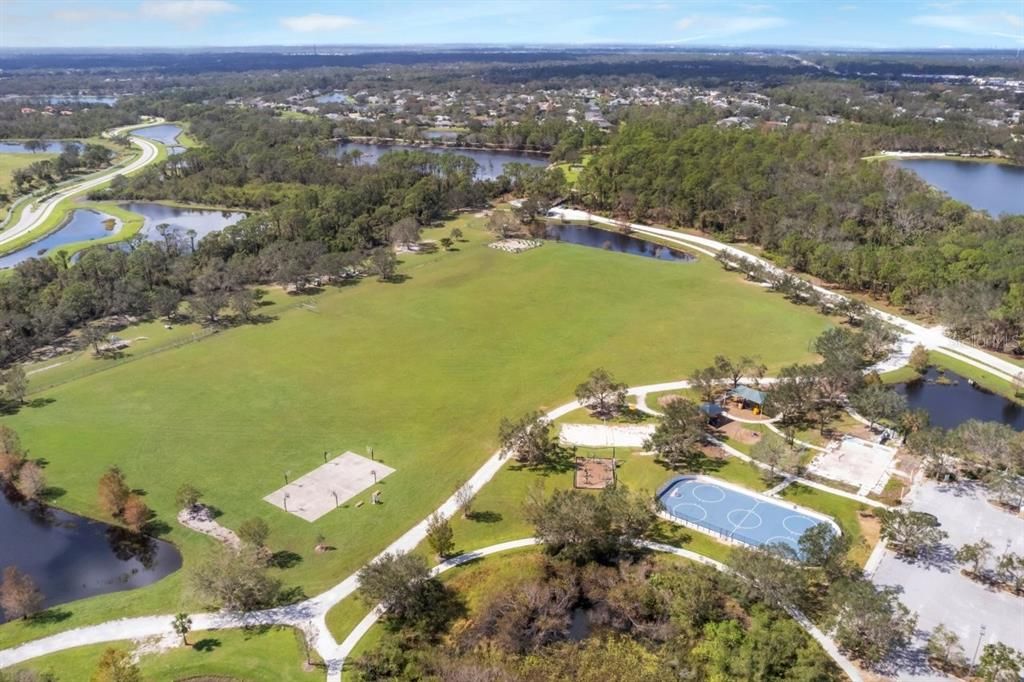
{"x":182,"y":625}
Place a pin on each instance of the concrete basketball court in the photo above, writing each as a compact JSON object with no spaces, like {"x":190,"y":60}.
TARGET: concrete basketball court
{"x":328,"y":486}
{"x":606,"y":435}
{"x":855,"y":461}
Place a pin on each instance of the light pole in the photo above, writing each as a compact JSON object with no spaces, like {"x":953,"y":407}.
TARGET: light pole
{"x":981,"y":634}
{"x":286,"y":496}
{"x":374,"y":472}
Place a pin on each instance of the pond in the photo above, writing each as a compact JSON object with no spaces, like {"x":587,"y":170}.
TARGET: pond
{"x":70,"y":557}
{"x":614,"y":241}
{"x":180,"y":220}
{"x":492,"y":163}
{"x":52,"y":147}
{"x":164,"y":133}
{"x":82,"y":225}
{"x":954,"y":400}
{"x":991,"y":187}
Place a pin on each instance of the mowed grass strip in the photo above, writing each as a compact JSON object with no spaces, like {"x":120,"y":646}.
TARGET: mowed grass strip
{"x":265,"y":653}
{"x":420,"y":371}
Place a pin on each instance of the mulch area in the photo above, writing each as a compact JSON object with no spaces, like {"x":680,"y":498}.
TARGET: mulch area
{"x":737,"y":411}
{"x":594,"y":473}
{"x":739,"y":433}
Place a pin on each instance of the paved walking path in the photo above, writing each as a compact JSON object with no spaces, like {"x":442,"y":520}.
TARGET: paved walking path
{"x":34,"y":215}
{"x":310,"y":615}
{"x":348,"y":646}
{"x":933,"y":338}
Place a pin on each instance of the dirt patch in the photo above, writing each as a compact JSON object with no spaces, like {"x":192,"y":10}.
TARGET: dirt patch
{"x":200,"y":519}
{"x":737,"y":432}
{"x":594,"y":473}
{"x":666,"y":400}
{"x":870,"y":527}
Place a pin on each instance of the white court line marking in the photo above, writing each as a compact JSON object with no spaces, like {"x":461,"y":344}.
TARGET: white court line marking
{"x":737,"y":526}
{"x":675,"y":510}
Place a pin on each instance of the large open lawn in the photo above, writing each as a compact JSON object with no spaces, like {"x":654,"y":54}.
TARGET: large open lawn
{"x":420,"y":371}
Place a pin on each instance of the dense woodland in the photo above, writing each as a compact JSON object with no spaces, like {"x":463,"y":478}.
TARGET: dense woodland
{"x":808,"y":198}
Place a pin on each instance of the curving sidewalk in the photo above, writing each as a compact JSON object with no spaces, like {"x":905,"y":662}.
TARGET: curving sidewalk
{"x":933,"y":338}
{"x":348,"y":646}
{"x":32,"y":216}
{"x":310,"y":615}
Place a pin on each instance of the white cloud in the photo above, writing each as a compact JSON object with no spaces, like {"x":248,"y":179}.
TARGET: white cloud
{"x":709,"y":25}
{"x":318,"y":22}
{"x":189,"y":13}
{"x":995,"y":24}
{"x":82,"y":15}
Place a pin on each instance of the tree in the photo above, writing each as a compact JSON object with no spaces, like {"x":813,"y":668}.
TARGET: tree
{"x":502,"y":223}
{"x":12,"y":458}
{"x":976,"y":554}
{"x":113,"y":492}
{"x":242,"y":302}
{"x":910,"y":533}
{"x":820,"y":545}
{"x":581,"y":527}
{"x":96,"y":337}
{"x":254,"y":532}
{"x":707,"y":382}
{"x":31,"y":481}
{"x":456,"y":234}
{"x":187,"y":496}
{"x":405,"y":231}
{"x":878,"y":402}
{"x":777,"y":454}
{"x":769,"y":574}
{"x":944,"y":649}
{"x":919,"y":359}
{"x":182,"y":625}
{"x":236,"y":581}
{"x":440,"y":535}
{"x":15,"y":384}
{"x":792,"y":394}
{"x":868,"y":622}
{"x":600,"y":393}
{"x":446,"y":243}
{"x":934,"y":446}
{"x":678,"y":435}
{"x":464,"y":499}
{"x":384,"y":263}
{"x":528,"y":439}
{"x":206,"y":306}
{"x":398,"y":582}
{"x":19,"y":596}
{"x":1010,"y":571}
{"x":116,"y":666}
{"x":135,"y":513}
{"x":1000,"y":663}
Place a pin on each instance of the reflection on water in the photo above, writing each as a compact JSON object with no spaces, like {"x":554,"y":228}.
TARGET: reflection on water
{"x":492,"y":163}
{"x":52,"y":147}
{"x":178,"y":222}
{"x":83,"y":225}
{"x":614,"y":241}
{"x":70,"y":557}
{"x":164,"y":133}
{"x":950,"y":400}
{"x":991,"y":187}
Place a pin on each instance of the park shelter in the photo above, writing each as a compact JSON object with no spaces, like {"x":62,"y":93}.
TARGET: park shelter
{"x":713,"y":412}
{"x":748,"y":397}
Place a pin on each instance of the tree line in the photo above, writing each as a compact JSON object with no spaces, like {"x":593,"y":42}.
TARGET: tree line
{"x":808,"y":199}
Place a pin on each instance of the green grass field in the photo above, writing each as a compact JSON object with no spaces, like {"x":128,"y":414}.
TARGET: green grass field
{"x":421,"y":371}
{"x":10,"y":163}
{"x":257,"y":654}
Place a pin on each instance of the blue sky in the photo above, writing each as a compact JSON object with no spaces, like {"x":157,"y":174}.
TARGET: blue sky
{"x":821,"y":23}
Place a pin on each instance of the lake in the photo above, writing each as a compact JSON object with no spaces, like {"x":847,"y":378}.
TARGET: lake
{"x":595,"y":237}
{"x":52,"y":146}
{"x":181,"y":220}
{"x":492,"y":162}
{"x":950,"y":405}
{"x":164,"y":133}
{"x":70,"y":557}
{"x":441,"y":135}
{"x":993,"y":187}
{"x":83,"y":225}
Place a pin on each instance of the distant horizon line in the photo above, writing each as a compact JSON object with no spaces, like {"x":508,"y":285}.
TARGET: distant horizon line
{"x":667,"y":47}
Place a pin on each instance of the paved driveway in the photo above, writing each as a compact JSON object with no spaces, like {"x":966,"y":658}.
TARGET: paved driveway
{"x":934,"y":587}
